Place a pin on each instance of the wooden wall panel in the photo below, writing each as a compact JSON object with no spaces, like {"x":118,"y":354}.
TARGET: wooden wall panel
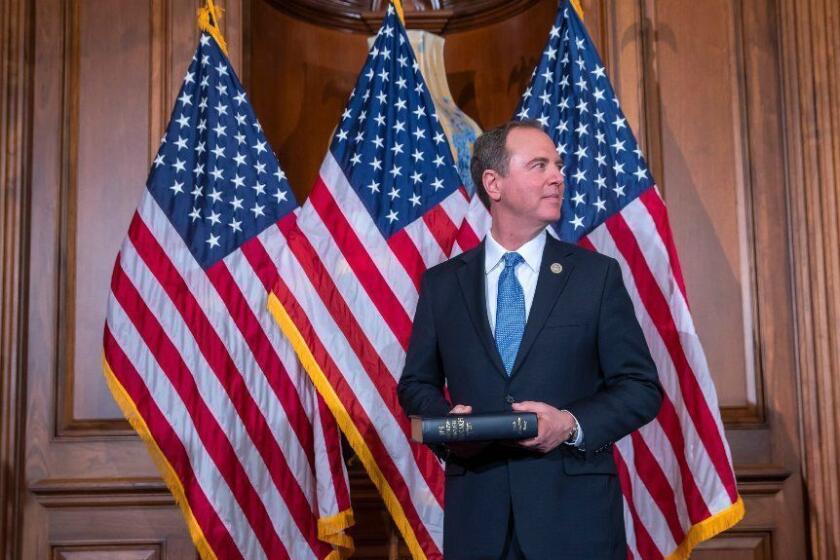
{"x":59,"y":137}
{"x":105,"y":76}
{"x":135,"y":533}
{"x":104,"y":151}
{"x":742,"y":546}
{"x":704,"y":183}
{"x":734,"y":103}
{"x":137,"y":69}
{"x":698,"y":148}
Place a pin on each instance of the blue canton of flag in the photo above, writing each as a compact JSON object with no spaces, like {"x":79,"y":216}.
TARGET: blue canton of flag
{"x":572,"y":99}
{"x":389,"y":142}
{"x":214,"y":175}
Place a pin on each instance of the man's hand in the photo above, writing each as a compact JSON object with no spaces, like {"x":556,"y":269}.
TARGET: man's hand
{"x":461,"y":449}
{"x":554,"y":426}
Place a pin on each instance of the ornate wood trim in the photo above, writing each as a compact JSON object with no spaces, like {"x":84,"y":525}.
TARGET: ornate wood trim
{"x":810,"y":54}
{"x":137,"y":550}
{"x":159,"y":70}
{"x":437,"y":16}
{"x":740,"y":543}
{"x":98,"y":492}
{"x":16,"y":35}
{"x":651,"y":99}
{"x":760,"y":479}
{"x":433,"y":21}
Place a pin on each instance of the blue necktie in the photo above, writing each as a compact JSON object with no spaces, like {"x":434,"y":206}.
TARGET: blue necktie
{"x":510,"y":311}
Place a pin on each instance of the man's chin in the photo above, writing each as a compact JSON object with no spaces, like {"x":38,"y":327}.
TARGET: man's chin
{"x":550,"y":217}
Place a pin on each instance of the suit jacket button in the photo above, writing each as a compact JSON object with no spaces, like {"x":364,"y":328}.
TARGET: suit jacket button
{"x":509,"y":399}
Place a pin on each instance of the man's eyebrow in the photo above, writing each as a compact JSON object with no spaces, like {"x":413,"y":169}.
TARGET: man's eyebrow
{"x":558,"y":161}
{"x":538,"y":160}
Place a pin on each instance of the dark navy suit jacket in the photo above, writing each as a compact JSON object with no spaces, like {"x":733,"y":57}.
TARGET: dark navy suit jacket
{"x":583,"y":351}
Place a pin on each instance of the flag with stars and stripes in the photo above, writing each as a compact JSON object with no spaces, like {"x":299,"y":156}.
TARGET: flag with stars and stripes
{"x":387,"y":205}
{"x":676,"y":473}
{"x":193,"y":356}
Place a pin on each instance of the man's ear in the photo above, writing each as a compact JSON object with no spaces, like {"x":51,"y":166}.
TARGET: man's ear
{"x":492,"y":184}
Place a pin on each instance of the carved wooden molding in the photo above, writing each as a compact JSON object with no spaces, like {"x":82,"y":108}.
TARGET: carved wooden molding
{"x":433,"y":21}
{"x":15,"y":86}
{"x":810,"y":53}
{"x":99,"y":550}
{"x":760,"y":479}
{"x":99,"y":492}
{"x":437,"y":16}
{"x":739,"y":543}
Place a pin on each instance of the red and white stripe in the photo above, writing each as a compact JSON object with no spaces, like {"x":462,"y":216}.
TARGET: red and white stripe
{"x":474,"y":227}
{"x":677,"y":470}
{"x":222,"y":392}
{"x":352,"y":294}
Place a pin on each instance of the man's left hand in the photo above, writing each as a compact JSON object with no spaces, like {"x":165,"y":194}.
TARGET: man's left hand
{"x":553,"y":426}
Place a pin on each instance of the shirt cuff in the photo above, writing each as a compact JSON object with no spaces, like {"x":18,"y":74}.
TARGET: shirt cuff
{"x":578,"y":442}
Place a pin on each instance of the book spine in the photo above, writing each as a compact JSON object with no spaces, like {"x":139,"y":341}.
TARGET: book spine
{"x":467,"y":427}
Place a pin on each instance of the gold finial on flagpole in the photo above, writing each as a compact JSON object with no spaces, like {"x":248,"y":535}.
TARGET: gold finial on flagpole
{"x":578,"y":9}
{"x":208,"y":20}
{"x":399,"y":8}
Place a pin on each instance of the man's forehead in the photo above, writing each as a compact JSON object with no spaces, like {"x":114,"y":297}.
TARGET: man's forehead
{"x":527,"y":141}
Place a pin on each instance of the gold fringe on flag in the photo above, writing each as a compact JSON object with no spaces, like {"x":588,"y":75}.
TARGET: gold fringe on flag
{"x":345,"y":422}
{"x":208,"y":20}
{"x":167,"y":472}
{"x":708,"y":528}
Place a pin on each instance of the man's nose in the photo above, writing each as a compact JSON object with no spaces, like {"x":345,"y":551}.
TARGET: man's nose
{"x":556,"y":177}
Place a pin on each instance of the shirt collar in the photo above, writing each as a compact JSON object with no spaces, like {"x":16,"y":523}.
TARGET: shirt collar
{"x":531,"y":252}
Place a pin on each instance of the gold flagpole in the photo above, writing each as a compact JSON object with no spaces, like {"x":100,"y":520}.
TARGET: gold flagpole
{"x":398,"y":6}
{"x":578,"y":9}
{"x":208,"y":20}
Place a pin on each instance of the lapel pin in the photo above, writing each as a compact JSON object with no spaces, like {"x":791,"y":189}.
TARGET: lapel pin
{"x":556,"y":268}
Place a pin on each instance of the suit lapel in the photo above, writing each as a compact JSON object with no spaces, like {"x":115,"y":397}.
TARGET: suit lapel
{"x":549,"y":287}
{"x":471,"y":281}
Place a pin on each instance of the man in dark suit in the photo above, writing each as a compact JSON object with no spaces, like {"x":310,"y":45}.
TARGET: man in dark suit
{"x":529,"y":323}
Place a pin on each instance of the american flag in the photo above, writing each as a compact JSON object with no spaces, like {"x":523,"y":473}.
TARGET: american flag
{"x":676,"y":473}
{"x":387,"y":205}
{"x":191,"y":352}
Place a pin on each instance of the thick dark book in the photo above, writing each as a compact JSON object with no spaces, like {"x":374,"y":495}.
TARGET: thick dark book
{"x":474,"y":427}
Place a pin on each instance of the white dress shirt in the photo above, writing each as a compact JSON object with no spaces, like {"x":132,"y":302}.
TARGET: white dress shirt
{"x":527,"y":274}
